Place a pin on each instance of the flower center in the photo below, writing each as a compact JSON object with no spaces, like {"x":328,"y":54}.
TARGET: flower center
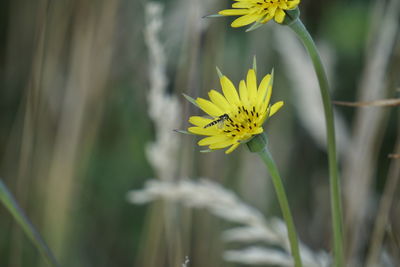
{"x":268,"y":6}
{"x":242,"y":122}
{"x":267,"y":3}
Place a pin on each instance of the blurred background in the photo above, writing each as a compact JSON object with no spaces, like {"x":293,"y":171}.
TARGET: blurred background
{"x":91,"y":91}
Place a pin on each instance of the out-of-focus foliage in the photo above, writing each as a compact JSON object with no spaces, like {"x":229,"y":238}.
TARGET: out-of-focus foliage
{"x":74,"y":126}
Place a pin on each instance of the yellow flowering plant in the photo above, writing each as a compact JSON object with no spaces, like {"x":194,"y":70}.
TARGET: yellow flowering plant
{"x":286,"y":12}
{"x":235,"y":117}
{"x":259,"y":11}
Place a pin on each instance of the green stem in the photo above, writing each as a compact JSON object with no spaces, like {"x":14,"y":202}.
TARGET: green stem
{"x":259,"y":145}
{"x":298,"y":27}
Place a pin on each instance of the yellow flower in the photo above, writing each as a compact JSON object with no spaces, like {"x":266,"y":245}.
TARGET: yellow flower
{"x":258,"y":11}
{"x":236,"y":117}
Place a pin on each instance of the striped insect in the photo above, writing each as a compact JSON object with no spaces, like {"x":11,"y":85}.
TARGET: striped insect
{"x":220,"y":121}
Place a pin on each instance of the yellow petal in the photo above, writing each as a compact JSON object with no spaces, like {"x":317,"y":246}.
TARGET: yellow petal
{"x":222,"y":144}
{"x":292,"y":4}
{"x":212,"y":140}
{"x":268,"y":97}
{"x":199,"y":121}
{"x":233,"y":147}
{"x":243,"y":93}
{"x":265,"y":105}
{"x":259,"y":130}
{"x":263,"y":117}
{"x":262,"y":89}
{"x":209,"y":107}
{"x":242,"y":5}
{"x":283,"y":5}
{"x":219,"y":100}
{"x":279,"y":15}
{"x":275,"y":107}
{"x":272,"y":9}
{"x":203,"y":131}
{"x":233,"y":12}
{"x":229,"y":91}
{"x":245,"y":20}
{"x":267,"y":18}
{"x":251,"y":86}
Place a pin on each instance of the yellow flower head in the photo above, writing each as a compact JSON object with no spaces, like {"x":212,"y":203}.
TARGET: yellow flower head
{"x":258,"y":11}
{"x":236,"y":117}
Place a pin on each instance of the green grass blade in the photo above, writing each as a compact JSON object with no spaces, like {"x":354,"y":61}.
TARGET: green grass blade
{"x":12,"y":206}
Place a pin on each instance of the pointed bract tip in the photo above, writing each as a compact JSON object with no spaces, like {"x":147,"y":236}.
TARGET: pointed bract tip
{"x":220,"y":75}
{"x":255,"y":64}
{"x":212,"y":16}
{"x":190,"y":99}
{"x":254,"y":26}
{"x":183,"y":132}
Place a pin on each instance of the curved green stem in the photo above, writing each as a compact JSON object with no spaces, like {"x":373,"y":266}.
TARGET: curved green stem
{"x":258,"y":145}
{"x":298,"y":27}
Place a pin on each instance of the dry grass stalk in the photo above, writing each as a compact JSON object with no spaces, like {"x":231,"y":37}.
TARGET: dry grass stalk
{"x":56,"y":124}
{"x":375,"y":103}
{"x":361,"y":156}
{"x":186,"y":262}
{"x":382,"y":219}
{"x":164,"y":109}
{"x":226,"y":205}
{"x":80,"y":110}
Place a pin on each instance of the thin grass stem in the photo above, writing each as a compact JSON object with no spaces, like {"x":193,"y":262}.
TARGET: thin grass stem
{"x":12,"y":206}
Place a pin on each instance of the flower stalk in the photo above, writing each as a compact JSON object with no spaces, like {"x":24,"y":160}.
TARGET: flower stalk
{"x":259,"y":145}
{"x":298,"y":27}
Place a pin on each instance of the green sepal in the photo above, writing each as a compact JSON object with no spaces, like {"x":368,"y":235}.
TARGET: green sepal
{"x":212,"y":16}
{"x":255,"y":64}
{"x":220,"y":75}
{"x":254,"y":26}
{"x":183,"y":132}
{"x":258,"y":143}
{"x":206,"y":151}
{"x":291,"y":16}
{"x":190,"y":99}
{"x":271,"y":82}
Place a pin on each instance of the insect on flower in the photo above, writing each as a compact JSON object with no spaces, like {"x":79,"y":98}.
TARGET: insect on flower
{"x":220,"y":121}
